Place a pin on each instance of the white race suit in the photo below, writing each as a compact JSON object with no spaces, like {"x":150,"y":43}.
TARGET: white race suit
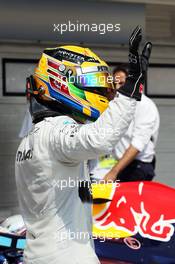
{"x":49,"y":162}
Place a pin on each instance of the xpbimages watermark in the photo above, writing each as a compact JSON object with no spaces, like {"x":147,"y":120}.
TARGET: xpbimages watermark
{"x":71,"y":235}
{"x":76,"y":183}
{"x":101,"y":28}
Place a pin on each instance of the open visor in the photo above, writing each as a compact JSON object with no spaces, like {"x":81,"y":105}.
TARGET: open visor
{"x":96,"y":82}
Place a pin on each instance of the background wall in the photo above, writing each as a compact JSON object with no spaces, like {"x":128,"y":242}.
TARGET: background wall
{"x":12,"y":109}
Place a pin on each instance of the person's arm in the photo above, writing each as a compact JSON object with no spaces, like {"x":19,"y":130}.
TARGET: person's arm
{"x":143,"y":126}
{"x":129,"y":155}
{"x":72,"y":143}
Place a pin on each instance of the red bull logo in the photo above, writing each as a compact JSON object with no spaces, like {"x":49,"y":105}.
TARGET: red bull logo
{"x":146,"y":208}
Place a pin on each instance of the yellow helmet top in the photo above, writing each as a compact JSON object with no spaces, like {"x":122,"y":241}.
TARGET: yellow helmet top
{"x":74,"y":77}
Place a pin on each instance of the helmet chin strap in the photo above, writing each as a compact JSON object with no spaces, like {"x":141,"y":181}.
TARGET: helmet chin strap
{"x":39,"y":111}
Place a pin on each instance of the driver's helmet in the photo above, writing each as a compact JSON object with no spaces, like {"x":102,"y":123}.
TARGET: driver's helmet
{"x":75,"y":79}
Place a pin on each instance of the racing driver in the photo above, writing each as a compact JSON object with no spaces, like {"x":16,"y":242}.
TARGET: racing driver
{"x":73,"y":121}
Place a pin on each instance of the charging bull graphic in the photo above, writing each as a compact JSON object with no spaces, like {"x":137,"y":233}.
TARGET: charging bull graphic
{"x":120,"y":210}
{"x":146,"y":208}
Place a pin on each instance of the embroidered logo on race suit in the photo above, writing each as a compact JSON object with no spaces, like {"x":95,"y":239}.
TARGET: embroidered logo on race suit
{"x":70,"y":129}
{"x":24,"y":155}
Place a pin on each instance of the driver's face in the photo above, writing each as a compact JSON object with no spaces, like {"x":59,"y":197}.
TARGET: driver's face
{"x":119,"y":79}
